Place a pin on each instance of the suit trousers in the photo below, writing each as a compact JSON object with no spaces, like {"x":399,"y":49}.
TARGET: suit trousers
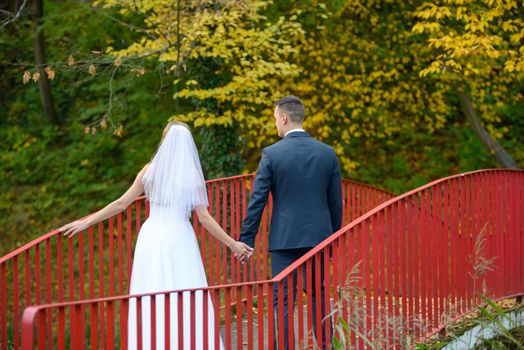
{"x":280,"y":260}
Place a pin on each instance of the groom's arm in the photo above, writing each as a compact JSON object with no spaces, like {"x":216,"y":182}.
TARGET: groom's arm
{"x":335,"y":197}
{"x":257,"y":200}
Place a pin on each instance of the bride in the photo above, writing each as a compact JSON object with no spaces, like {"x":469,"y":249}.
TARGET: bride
{"x":167,"y":256}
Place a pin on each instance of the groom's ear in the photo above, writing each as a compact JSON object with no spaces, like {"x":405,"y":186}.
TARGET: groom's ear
{"x":284,"y":117}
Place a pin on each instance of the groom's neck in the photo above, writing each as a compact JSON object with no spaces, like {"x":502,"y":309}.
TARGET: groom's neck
{"x":290,"y":127}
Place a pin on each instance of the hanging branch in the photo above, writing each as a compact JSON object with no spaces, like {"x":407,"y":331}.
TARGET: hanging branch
{"x":14,"y":17}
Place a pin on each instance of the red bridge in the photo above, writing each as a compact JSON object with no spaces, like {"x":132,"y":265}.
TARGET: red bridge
{"x":400,"y":267}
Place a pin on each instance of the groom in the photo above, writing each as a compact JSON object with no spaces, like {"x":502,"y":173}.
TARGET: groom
{"x":303,"y":176}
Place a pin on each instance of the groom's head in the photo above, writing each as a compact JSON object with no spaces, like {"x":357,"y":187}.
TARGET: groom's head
{"x":289,"y":114}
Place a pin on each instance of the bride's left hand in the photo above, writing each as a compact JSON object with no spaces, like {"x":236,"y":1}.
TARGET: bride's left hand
{"x":73,"y":227}
{"x":241,"y":251}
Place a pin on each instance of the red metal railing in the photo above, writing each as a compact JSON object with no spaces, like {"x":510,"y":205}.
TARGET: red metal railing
{"x":97,"y":263}
{"x":398,"y":271}
{"x":409,"y":266}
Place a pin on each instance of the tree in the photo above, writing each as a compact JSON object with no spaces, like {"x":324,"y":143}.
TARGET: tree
{"x":361,"y":64}
{"x":356,"y":64}
{"x":46,"y":97}
{"x":478,"y":46}
{"x":245,"y":49}
{"x":12,"y":13}
{"x":50,"y":173}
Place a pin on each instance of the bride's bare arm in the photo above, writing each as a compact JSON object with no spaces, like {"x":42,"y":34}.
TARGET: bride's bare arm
{"x":111,"y":209}
{"x":238,"y":248}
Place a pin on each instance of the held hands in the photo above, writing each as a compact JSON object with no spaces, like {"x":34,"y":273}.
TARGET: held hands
{"x":73,"y":227}
{"x":241,"y":251}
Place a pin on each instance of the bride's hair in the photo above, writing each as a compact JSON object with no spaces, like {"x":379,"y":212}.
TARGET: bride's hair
{"x":170,"y":124}
{"x":164,"y":133}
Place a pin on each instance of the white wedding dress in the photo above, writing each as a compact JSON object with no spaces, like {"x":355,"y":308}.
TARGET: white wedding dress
{"x":167,"y":257}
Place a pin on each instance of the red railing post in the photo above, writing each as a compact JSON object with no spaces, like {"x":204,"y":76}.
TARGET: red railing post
{"x":28,"y":320}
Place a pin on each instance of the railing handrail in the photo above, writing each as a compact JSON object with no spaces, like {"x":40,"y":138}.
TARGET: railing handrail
{"x":229,"y":178}
{"x":46,"y":236}
{"x":55,"y":232}
{"x":284,"y":273}
{"x":343,"y":180}
{"x":275,"y":279}
{"x":131,"y":296}
{"x":369,"y":186}
{"x":31,"y":312}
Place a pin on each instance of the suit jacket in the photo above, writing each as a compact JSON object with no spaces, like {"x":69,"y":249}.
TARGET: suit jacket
{"x":303,"y":177}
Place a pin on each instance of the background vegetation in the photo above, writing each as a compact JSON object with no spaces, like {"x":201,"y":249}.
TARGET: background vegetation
{"x":405,"y":91}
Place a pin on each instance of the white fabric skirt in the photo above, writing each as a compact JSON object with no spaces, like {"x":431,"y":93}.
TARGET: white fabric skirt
{"x":166,"y":258}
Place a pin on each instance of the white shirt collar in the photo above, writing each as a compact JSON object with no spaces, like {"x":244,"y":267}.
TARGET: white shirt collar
{"x":294,"y":130}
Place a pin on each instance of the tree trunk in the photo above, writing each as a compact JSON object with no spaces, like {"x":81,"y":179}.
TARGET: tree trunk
{"x":39,"y":44}
{"x":6,"y":6}
{"x":16,"y":5}
{"x":494,"y":148}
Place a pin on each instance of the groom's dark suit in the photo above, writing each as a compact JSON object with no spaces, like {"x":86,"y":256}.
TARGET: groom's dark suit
{"x":303,"y":177}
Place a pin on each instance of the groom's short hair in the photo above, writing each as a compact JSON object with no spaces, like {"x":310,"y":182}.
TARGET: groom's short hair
{"x":293,"y":107}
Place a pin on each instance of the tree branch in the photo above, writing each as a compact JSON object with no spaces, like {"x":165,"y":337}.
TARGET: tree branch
{"x":116,"y":20}
{"x":15,"y":16}
{"x":500,"y":154}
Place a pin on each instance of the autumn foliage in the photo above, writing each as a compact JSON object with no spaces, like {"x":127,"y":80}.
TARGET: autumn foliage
{"x":384,"y":82}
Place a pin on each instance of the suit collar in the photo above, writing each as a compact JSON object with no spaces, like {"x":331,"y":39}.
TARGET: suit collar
{"x":294,"y":130}
{"x":297,"y":134}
